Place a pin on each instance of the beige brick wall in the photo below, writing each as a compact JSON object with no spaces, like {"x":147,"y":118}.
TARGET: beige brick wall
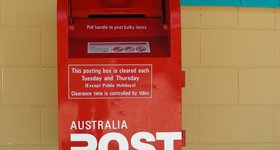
{"x":28,"y":102}
{"x":232,"y":59}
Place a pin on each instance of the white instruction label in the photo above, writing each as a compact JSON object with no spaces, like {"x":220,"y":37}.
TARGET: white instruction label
{"x":118,"y":47}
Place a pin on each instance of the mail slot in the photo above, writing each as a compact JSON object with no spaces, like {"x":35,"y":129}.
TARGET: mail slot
{"x":149,"y":8}
{"x":119,"y":75}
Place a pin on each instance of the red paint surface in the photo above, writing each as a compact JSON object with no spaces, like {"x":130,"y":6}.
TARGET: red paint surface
{"x":150,"y":8}
{"x":160,"y":111}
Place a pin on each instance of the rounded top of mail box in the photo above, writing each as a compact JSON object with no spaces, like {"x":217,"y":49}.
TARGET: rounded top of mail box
{"x":85,"y":8}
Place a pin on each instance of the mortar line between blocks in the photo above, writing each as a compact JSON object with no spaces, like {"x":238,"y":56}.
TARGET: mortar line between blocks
{"x":200,"y":15}
{"x":27,"y":145}
{"x":273,"y":125}
{"x":238,"y":86}
{"x":199,"y":121}
{"x":275,"y":17}
{"x":232,"y":105}
{"x":200,"y":47}
{"x":2,"y":85}
{"x":238,"y":15}
{"x":41,"y":138}
{"x":200,"y":37}
{"x":235,"y":146}
{"x":232,"y":67}
{"x":233,"y":28}
{"x":41,"y":46}
{"x":0,"y":13}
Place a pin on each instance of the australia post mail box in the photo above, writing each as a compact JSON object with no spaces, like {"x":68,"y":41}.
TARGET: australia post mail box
{"x":119,"y":75}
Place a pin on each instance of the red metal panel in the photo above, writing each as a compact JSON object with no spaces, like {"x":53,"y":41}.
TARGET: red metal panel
{"x":150,"y":8}
{"x":113,"y":100}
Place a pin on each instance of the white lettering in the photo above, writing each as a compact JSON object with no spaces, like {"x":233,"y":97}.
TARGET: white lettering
{"x":137,"y":144}
{"x":105,"y":140}
{"x":94,"y":78}
{"x":73,"y":126}
{"x":91,"y":140}
{"x":169,"y":138}
{"x":92,"y":71}
{"x":124,"y":125}
{"x":99,"y":125}
{"x":74,"y":93}
{"x":124,"y":78}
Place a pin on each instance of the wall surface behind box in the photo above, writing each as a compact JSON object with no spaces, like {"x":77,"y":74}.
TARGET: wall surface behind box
{"x":28,"y":103}
{"x":236,"y":3}
{"x":232,"y":59}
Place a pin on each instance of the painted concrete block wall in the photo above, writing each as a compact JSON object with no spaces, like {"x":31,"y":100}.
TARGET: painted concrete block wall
{"x":28,"y":103}
{"x":232,"y":97}
{"x":232,"y":59}
{"x":235,"y":3}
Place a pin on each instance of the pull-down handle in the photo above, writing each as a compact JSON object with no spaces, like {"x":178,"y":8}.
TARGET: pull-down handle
{"x":117,"y":4}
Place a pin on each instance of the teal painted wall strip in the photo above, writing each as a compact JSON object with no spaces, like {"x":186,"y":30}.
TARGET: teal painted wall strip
{"x":234,"y":3}
{"x":192,"y":2}
{"x":260,"y":3}
{"x":222,"y":2}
